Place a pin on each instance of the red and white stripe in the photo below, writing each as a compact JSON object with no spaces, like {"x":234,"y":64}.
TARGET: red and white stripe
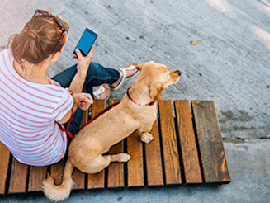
{"x":28,"y":116}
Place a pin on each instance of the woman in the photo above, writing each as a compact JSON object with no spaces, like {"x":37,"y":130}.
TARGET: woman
{"x":33,"y":106}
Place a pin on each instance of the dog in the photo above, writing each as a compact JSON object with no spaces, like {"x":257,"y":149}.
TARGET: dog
{"x":136,"y":111}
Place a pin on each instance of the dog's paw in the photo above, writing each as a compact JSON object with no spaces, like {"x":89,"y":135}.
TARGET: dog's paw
{"x":147,"y":137}
{"x":123,"y":157}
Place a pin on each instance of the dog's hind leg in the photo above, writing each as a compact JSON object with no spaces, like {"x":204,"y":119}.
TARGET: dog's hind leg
{"x":96,"y":165}
{"x":103,"y":161}
{"x":121,"y":157}
{"x":106,"y":150}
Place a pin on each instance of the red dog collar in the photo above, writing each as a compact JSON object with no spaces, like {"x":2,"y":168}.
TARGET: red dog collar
{"x":150,"y":104}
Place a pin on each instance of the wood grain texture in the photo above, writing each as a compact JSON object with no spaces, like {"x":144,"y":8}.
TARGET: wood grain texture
{"x":57,"y":172}
{"x":135,"y":164}
{"x":36,"y":177}
{"x":84,"y":119}
{"x":187,"y":138}
{"x":214,"y":164}
{"x":4,"y":164}
{"x":18,"y":177}
{"x":96,"y":181}
{"x":162,"y":164}
{"x":153,"y":159}
{"x":116,"y":176}
{"x":169,"y":142}
{"x":78,"y":179}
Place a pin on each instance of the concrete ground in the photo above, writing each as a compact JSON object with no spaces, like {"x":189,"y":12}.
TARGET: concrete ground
{"x":229,"y":65}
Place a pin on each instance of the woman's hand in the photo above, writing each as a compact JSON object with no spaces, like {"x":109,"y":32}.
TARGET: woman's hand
{"x":83,"y":62}
{"x":83,"y":100}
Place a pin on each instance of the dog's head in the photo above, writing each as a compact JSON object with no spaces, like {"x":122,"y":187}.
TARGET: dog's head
{"x":156,"y":77}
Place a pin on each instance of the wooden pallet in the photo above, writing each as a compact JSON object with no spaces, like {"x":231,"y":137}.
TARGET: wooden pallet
{"x":187,"y":149}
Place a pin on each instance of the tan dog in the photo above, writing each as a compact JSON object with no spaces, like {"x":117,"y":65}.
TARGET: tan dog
{"x":136,"y":111}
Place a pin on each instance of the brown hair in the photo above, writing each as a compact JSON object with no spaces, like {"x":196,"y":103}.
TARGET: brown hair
{"x":37,"y":40}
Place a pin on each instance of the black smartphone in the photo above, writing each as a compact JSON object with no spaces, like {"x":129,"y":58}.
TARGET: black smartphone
{"x":85,"y":43}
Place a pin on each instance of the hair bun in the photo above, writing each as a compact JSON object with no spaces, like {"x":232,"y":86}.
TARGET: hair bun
{"x":38,"y":40}
{"x":30,"y":33}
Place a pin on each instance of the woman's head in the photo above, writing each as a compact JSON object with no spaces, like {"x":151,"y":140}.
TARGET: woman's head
{"x":41,"y":37}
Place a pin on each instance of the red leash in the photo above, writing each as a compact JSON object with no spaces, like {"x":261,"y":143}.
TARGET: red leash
{"x":102,"y":112}
{"x":66,"y":130}
{"x":90,"y":121}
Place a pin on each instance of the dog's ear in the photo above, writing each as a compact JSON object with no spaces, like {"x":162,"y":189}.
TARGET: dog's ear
{"x":140,"y":66}
{"x":155,"y":91}
{"x":143,"y":65}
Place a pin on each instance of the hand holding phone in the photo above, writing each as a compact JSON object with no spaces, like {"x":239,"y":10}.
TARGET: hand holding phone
{"x":79,"y":54}
{"x":83,"y":61}
{"x":86,"y":42}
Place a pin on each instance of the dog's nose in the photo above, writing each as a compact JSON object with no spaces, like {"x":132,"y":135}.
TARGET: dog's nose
{"x":179,"y":72}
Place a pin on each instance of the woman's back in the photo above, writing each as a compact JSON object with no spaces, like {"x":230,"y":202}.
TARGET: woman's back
{"x":28,"y":112}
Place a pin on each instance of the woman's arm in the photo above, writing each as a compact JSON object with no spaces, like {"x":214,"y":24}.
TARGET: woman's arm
{"x":81,"y":100}
{"x":83,"y":64}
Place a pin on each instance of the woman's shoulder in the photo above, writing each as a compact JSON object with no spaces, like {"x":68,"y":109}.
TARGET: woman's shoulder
{"x":5,"y":63}
{"x":57,"y":88}
{"x":4,"y":51}
{"x":6,"y":57}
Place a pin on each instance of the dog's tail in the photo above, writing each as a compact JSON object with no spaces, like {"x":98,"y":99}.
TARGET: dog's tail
{"x":60,"y":192}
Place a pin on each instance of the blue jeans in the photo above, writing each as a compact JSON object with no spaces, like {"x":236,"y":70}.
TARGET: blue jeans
{"x":96,"y":76}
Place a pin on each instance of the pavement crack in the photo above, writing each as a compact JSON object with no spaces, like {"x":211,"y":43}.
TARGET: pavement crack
{"x":234,"y":140}
{"x":264,"y":3}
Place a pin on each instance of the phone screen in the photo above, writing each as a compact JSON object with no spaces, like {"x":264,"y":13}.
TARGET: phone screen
{"x":86,"y":42}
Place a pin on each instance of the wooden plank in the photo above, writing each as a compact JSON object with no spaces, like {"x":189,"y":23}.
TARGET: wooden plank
{"x":190,"y":157}
{"x":4,"y":164}
{"x":36,"y":177}
{"x":153,"y":159}
{"x":169,"y":141}
{"x":78,"y":179}
{"x":97,"y":181}
{"x":18,"y":177}
{"x":135,"y":164}
{"x":78,"y":176}
{"x":57,"y":172}
{"x":85,"y":119}
{"x":116,"y":176}
{"x":214,"y":164}
{"x":212,"y":154}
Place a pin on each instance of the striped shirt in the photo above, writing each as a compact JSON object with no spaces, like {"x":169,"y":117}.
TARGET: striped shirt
{"x":28,"y":116}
